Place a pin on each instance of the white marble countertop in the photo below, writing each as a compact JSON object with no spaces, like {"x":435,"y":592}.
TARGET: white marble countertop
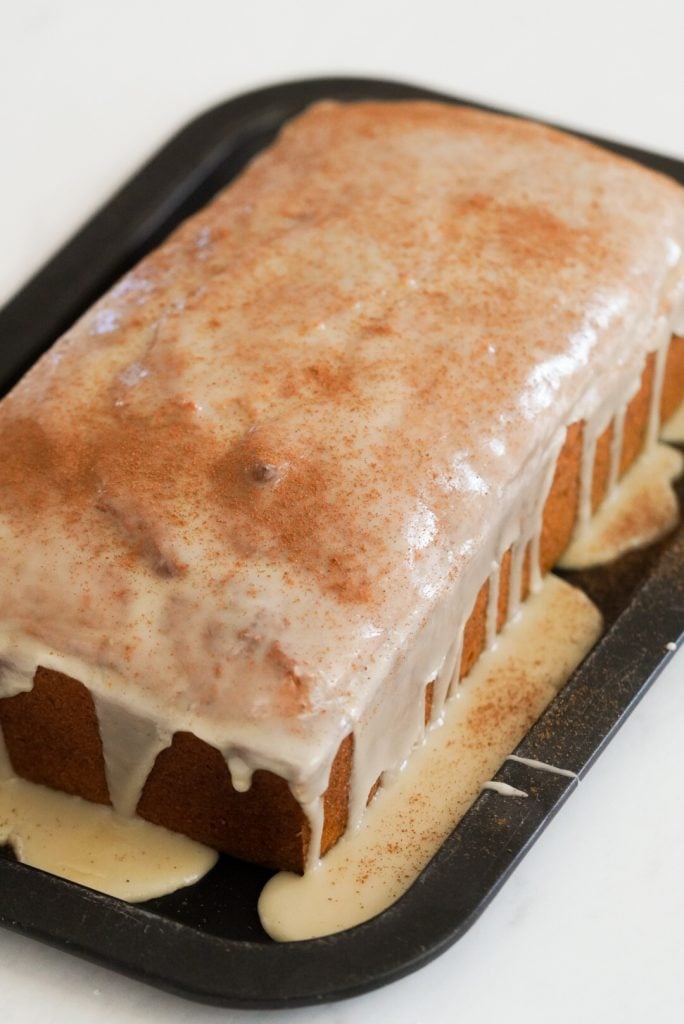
{"x":589,"y":926}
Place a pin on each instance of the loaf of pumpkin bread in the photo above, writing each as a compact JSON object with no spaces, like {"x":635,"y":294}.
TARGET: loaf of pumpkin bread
{"x":266,"y":503}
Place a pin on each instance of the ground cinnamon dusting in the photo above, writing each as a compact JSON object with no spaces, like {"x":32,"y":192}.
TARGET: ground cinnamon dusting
{"x":143,"y":472}
{"x":300,"y":509}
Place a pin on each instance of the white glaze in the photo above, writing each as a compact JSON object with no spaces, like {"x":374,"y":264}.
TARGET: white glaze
{"x":130,"y":744}
{"x":541,"y":766}
{"x":88,"y":843}
{"x":503,"y":789}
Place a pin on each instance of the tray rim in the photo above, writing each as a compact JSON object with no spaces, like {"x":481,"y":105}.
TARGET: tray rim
{"x":123,"y":953}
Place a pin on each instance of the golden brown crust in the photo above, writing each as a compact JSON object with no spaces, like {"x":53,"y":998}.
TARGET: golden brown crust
{"x":52,"y":736}
{"x":475,"y":632}
{"x":673,"y":384}
{"x":560,"y":511}
{"x":636,"y":418}
{"x":601,"y":473}
{"x":504,"y":590}
{"x":189,"y":790}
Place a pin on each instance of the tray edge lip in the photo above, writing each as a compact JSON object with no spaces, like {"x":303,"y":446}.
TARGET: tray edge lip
{"x":260,"y":94}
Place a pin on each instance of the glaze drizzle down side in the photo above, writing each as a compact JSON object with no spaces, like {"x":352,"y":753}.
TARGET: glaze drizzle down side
{"x":409,"y":818}
{"x":92,"y":844}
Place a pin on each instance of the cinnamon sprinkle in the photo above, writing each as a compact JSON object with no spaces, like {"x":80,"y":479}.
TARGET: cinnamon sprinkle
{"x":299,"y":510}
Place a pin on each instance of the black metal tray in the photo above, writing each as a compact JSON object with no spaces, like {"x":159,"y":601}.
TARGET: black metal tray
{"x":206,"y":942}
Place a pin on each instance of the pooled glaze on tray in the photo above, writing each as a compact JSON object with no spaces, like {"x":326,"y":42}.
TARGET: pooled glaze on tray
{"x":91,"y":844}
{"x":256,"y":489}
{"x":410,"y":818}
{"x":639,"y":511}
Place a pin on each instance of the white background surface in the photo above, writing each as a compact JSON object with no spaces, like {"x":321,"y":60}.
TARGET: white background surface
{"x":591,"y":926}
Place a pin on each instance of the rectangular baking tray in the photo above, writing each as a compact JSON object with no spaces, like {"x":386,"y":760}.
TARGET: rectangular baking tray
{"x":206,"y":942}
